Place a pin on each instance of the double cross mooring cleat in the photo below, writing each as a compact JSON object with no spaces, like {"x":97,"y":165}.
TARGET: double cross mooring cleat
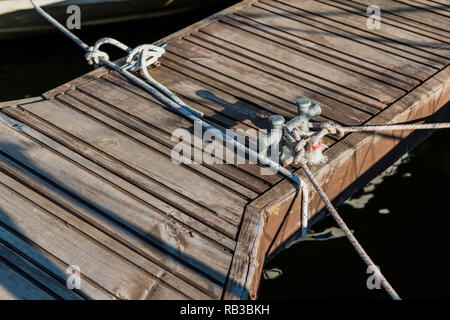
{"x":305,"y":111}
{"x":292,"y":142}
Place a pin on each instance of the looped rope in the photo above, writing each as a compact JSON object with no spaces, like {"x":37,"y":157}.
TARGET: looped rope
{"x":143,"y":56}
{"x":95,"y":55}
{"x":138,"y":58}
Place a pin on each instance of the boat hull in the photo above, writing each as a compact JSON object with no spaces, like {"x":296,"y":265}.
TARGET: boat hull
{"x":18,"y":18}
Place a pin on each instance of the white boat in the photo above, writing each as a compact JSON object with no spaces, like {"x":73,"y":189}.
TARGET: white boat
{"x":17,"y":17}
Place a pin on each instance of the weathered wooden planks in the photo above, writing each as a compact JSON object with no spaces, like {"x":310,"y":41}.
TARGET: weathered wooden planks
{"x":388,"y":35}
{"x":299,"y":65}
{"x":140,"y":158}
{"x":120,"y":207}
{"x":404,"y":16}
{"x":95,"y":226}
{"x":86,"y":174}
{"x":14,"y":286}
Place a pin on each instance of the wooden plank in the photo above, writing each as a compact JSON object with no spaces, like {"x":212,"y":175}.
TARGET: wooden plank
{"x":202,"y":215}
{"x":93,"y":75}
{"x":250,"y":235}
{"x":97,"y":264}
{"x":269,"y":106}
{"x":144,"y":220}
{"x":19,"y":101}
{"x":246,"y":176}
{"x":120,"y":240}
{"x":271,"y":84}
{"x":331,"y":54}
{"x":304,"y":69}
{"x":445,"y":3}
{"x":137,"y":130}
{"x":57,"y":288}
{"x":242,"y":97}
{"x":14,"y":286}
{"x":49,"y":263}
{"x":388,"y":35}
{"x":218,"y":120}
{"x":354,"y":151}
{"x":360,"y":43}
{"x":161,"y":204}
{"x":160,"y":116}
{"x":201,"y":93}
{"x":251,"y":169}
{"x":206,"y":216}
{"x":428,"y":6}
{"x":74,"y":222}
{"x":141,"y":158}
{"x":138,"y":107}
{"x":438,"y":4}
{"x":384,"y":52}
{"x":303,"y":80}
{"x":434,"y":25}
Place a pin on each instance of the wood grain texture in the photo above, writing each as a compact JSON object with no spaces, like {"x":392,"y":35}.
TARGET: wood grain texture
{"x":86,"y":175}
{"x":14,"y":286}
{"x":93,"y":225}
{"x":388,"y":35}
{"x":122,"y":208}
{"x":419,"y":21}
{"x":343,"y":32}
{"x":349,"y":159}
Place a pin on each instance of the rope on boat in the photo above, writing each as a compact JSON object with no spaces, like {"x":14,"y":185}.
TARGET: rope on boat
{"x":145,"y":55}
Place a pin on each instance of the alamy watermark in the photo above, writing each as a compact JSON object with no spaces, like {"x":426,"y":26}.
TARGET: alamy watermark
{"x":74,"y":20}
{"x":74,"y":277}
{"x":374,"y":280}
{"x":374,"y":20}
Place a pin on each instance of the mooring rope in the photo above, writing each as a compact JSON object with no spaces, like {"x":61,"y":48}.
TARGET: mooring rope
{"x":331,"y":127}
{"x":362,"y":253}
{"x":139,"y":59}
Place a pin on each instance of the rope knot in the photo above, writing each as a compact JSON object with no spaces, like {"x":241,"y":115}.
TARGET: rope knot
{"x":144,"y":55}
{"x":94,"y":55}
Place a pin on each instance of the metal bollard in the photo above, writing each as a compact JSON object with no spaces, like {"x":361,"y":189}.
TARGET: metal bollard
{"x":274,"y":137}
{"x":306,"y":110}
{"x":300,"y":123}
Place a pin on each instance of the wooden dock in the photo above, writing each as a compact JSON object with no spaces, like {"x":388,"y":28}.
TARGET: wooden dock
{"x":86,"y":177}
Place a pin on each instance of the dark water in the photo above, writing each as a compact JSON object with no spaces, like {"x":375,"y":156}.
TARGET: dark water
{"x":31,"y":66}
{"x":410,"y":243}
